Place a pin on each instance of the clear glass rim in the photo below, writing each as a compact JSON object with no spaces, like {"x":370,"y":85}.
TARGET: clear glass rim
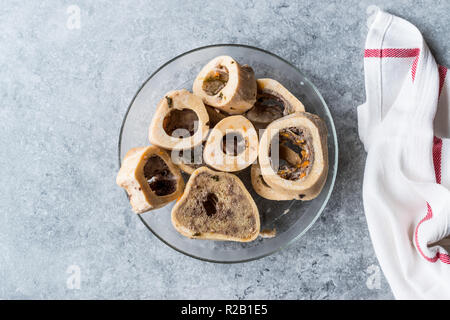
{"x":333,"y":133}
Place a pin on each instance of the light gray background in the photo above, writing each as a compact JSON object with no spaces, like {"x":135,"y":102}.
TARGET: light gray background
{"x":63,"y":96}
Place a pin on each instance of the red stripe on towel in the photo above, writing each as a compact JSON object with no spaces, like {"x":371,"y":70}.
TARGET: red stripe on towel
{"x":391,"y":53}
{"x":414,"y":68}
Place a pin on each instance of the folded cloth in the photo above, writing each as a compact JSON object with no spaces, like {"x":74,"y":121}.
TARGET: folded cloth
{"x":405,"y":125}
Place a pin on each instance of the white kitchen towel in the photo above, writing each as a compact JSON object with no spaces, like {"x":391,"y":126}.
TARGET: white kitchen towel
{"x":405,"y":125}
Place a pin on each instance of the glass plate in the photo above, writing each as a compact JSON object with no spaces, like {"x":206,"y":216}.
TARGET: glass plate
{"x":290,"y":218}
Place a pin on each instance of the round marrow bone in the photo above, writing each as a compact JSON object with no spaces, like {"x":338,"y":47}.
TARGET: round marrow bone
{"x":234,"y":132}
{"x":307,"y":177}
{"x":216,"y":206}
{"x":226,"y":85}
{"x":150,"y":178}
{"x":180,"y":121}
{"x":273,"y":101}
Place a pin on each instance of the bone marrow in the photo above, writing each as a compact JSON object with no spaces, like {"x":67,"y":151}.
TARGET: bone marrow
{"x":226,"y":85}
{"x":159,"y":177}
{"x":180,"y":121}
{"x":232,"y":145}
{"x":216,"y":79}
{"x":273,"y":101}
{"x":304,"y":175}
{"x":150,"y":178}
{"x":183,"y":120}
{"x":298,"y":141}
{"x":216,"y":206}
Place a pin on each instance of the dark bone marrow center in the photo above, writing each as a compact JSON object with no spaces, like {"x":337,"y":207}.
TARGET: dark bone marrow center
{"x":267,"y":108}
{"x":210,"y":204}
{"x":216,"y":80}
{"x":233,"y":143}
{"x":184,"y":121}
{"x":159,"y":177}
{"x":299,"y":141}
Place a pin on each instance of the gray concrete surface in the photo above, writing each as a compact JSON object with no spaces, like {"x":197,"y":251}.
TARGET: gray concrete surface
{"x":63,"y":95}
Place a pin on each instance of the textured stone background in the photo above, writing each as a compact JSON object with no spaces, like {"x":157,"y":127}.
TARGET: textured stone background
{"x":64,"y":93}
